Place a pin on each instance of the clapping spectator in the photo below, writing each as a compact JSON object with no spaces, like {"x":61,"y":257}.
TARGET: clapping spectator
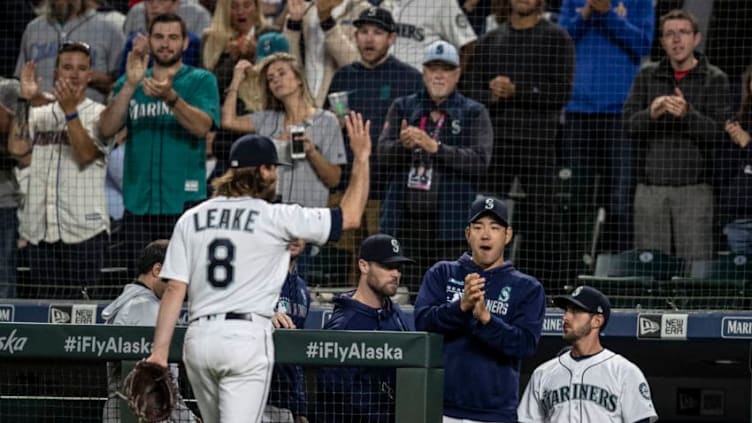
{"x":735,"y":205}
{"x":66,"y":215}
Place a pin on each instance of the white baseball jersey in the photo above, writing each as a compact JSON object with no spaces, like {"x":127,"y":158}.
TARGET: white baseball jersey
{"x":421,"y":22}
{"x":233,"y":252}
{"x":600,"y":389}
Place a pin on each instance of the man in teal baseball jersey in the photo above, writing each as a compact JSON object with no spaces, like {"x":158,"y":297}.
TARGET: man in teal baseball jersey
{"x":167,"y":111}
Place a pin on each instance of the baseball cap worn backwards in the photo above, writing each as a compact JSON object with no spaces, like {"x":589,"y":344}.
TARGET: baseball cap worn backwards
{"x":252,"y":151}
{"x":489,"y":206}
{"x":270,"y":43}
{"x":586,"y":298}
{"x":376,"y":16}
{"x":382,"y":248}
{"x":441,"y":51}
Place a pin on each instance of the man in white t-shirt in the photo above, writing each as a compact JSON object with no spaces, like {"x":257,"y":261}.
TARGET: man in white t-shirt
{"x":231,"y":255}
{"x":587,"y":383}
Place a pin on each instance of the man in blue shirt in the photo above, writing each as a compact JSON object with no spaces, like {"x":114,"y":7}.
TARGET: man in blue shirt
{"x":491,"y":316}
{"x":350,"y":395}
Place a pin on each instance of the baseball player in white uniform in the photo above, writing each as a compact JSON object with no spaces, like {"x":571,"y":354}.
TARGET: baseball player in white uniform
{"x":230,"y":254}
{"x":587,"y":383}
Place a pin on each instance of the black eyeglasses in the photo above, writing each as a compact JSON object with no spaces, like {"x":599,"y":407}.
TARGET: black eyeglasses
{"x":79,"y":46}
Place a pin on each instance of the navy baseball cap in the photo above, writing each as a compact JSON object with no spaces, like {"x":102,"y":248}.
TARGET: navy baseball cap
{"x":253,"y":151}
{"x":588,"y":299}
{"x":382,"y":248}
{"x":270,"y":43}
{"x":441,"y":51}
{"x":376,"y":16}
{"x":489,"y":205}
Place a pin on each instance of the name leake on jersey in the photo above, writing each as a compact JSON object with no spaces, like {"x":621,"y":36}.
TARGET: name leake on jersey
{"x":235,"y":219}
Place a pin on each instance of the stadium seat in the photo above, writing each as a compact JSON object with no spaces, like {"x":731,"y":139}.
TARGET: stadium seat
{"x":721,"y":283}
{"x":632,"y":279}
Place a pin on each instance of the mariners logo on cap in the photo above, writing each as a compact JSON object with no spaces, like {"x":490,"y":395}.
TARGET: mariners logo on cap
{"x":395,"y":246}
{"x":577,"y":291}
{"x":489,"y":204}
{"x":372,"y":11}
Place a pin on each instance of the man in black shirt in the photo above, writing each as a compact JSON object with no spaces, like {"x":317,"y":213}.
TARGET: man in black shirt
{"x":522,"y":71}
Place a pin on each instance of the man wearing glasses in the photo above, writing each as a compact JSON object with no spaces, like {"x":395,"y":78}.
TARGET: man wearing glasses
{"x":64,"y":216}
{"x":675,"y":113}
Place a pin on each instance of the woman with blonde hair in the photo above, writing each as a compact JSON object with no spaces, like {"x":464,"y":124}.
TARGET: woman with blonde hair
{"x":231,"y":37}
{"x":288,"y":104}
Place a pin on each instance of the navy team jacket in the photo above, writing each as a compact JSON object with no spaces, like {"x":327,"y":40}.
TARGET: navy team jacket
{"x":352,"y":394}
{"x":488,"y":355}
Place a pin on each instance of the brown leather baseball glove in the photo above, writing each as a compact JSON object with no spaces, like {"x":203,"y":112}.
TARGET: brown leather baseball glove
{"x":150,"y":391}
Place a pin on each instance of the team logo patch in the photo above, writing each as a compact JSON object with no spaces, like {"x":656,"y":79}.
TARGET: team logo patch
{"x":577,"y":291}
{"x":461,"y":21}
{"x":645,"y":391}
{"x":504,"y":294}
{"x":489,"y":204}
{"x":395,"y":246}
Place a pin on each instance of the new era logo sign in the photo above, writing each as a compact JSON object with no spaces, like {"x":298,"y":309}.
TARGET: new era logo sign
{"x":649,"y":326}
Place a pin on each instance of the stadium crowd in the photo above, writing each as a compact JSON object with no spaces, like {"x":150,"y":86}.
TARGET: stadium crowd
{"x":116,"y":115}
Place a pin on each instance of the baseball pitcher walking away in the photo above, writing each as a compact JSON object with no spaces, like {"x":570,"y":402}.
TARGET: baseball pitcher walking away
{"x":230,"y":254}
{"x":587,"y":383}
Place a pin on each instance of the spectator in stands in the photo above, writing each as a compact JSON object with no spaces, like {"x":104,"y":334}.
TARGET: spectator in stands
{"x":477,"y":12}
{"x":451,"y":136}
{"x":611,"y":39}
{"x":9,"y":90}
{"x":66,"y":215}
{"x":370,"y":86}
{"x":232,"y":36}
{"x":365,"y":394}
{"x":14,"y":16}
{"x":287,"y":394}
{"x":72,"y":20}
{"x":676,"y":111}
{"x":139,"y":42}
{"x":522,"y":71}
{"x":422,"y":22}
{"x":138,"y":305}
{"x":491,"y":316}
{"x":736,"y":162}
{"x":103,"y":7}
{"x":195,"y":16}
{"x":168,"y":110}
{"x":287,"y":102}
{"x":328,"y":44}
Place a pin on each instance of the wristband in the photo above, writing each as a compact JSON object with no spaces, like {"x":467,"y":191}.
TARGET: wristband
{"x":171,"y":103}
{"x":327,"y":24}
{"x":71,"y":116}
{"x":294,"y":25}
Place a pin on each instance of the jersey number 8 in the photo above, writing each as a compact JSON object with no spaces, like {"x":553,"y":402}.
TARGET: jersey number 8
{"x":220,"y":270}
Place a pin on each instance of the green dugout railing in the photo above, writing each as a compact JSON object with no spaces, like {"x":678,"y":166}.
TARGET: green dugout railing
{"x":416,"y":356}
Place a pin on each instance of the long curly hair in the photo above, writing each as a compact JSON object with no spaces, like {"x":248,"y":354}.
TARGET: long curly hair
{"x":241,"y":182}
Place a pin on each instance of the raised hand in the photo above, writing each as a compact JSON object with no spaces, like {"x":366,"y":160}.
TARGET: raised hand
{"x":29,"y":82}
{"x":140,"y":45}
{"x":296,"y":9}
{"x":738,"y":135}
{"x":325,"y":7}
{"x":135,"y":67}
{"x":68,"y":95}
{"x":239,"y":73}
{"x":159,"y":88}
{"x":359,"y":134}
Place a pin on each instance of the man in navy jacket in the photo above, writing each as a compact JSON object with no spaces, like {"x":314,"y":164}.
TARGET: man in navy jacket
{"x":351,"y":395}
{"x":491,"y":316}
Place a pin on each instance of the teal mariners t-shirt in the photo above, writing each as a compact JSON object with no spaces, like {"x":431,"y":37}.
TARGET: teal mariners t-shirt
{"x":165,"y":166}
